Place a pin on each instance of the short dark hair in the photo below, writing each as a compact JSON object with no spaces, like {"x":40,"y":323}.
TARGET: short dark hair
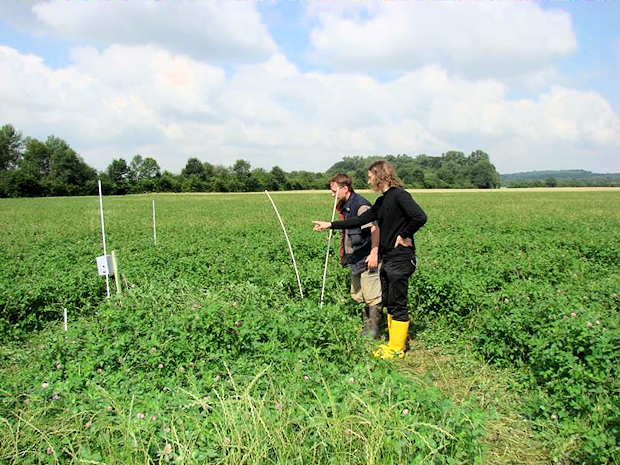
{"x":342,"y":180}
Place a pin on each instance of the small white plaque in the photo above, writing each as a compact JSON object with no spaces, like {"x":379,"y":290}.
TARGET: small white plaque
{"x":104,"y":265}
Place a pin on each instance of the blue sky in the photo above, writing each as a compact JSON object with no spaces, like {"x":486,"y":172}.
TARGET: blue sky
{"x":303,"y":84}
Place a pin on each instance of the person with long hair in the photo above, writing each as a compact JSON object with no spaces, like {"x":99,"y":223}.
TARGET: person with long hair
{"x":399,"y":218}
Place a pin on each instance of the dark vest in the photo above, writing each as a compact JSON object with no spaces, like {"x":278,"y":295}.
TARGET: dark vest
{"x":360,"y":238}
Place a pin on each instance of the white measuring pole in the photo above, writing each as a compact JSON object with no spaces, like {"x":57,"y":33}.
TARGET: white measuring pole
{"x":329,"y":241}
{"x":105,"y":251}
{"x":65,"y":317}
{"x":154,"y":226}
{"x":289,"y":244}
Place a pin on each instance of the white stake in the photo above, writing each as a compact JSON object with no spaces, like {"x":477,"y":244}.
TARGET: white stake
{"x":65,"y":317}
{"x":288,"y":242}
{"x":105,"y":252}
{"x":329,"y":241}
{"x":154,"y":227}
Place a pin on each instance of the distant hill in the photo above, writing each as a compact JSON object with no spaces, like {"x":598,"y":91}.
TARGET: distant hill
{"x":560,"y":178}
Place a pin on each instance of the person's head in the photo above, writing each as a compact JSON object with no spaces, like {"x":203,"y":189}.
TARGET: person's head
{"x":382,"y":176}
{"x":342,"y":184}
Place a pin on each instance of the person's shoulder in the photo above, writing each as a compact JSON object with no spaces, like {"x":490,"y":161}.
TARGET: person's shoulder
{"x":362,"y":198}
{"x":401,"y":192}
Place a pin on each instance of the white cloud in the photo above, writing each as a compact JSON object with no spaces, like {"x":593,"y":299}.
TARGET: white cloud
{"x":172,"y":107}
{"x":474,"y":38}
{"x":230,"y":31}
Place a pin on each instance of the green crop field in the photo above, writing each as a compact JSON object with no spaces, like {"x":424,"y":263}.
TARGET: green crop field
{"x":210,"y":355}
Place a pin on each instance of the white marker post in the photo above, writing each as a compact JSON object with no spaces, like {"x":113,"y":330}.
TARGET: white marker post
{"x":288,"y":242}
{"x":329,"y":241}
{"x":154,"y":226}
{"x":105,"y":252}
{"x":65,"y":317}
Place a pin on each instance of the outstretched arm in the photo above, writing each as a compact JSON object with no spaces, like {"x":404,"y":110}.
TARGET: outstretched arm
{"x":321,"y":225}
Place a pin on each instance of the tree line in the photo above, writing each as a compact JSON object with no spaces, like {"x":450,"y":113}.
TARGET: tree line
{"x":32,"y":168}
{"x":561,"y":178}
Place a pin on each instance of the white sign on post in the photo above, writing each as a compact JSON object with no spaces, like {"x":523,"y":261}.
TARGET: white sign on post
{"x":104,"y":265}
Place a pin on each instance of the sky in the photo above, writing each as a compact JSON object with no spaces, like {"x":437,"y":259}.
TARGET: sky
{"x":302,"y":84}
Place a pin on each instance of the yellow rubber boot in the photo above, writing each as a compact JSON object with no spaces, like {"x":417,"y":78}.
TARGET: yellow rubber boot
{"x":389,"y":324}
{"x":395,"y":348}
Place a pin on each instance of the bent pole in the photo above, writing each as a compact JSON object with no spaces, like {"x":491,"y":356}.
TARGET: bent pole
{"x":301,"y":293}
{"x":329,"y":241}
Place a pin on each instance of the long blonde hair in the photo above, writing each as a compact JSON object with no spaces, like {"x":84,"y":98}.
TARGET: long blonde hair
{"x":385,"y":174}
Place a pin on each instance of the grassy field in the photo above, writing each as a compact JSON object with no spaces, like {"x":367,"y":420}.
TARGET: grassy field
{"x":209,"y":355}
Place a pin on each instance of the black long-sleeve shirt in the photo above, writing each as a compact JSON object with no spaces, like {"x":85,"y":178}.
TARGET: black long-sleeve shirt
{"x":398,"y":215}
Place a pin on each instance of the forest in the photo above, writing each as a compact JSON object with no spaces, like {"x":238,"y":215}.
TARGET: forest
{"x":33,"y":168}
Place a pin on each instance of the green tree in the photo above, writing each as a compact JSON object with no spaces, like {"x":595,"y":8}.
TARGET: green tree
{"x":143,"y":168}
{"x":551,"y":182}
{"x":11,"y":146}
{"x":244,"y":181}
{"x":118,"y":171}
{"x":37,"y":159}
{"x":194,"y":167}
{"x":279,"y":177}
{"x":69,"y":174}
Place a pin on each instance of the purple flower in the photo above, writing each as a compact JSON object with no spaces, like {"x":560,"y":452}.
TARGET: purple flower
{"x":49,"y":450}
{"x":55,"y":397}
{"x":161,"y":365}
{"x":278,"y":406}
{"x":589,"y":324}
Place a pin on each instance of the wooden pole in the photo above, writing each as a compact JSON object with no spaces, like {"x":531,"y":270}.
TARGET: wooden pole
{"x":117,"y":278}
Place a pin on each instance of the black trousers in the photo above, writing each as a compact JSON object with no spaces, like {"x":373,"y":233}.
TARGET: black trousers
{"x":395,"y":286}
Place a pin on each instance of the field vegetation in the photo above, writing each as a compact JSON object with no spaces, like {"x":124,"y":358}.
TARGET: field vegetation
{"x":209,"y":355}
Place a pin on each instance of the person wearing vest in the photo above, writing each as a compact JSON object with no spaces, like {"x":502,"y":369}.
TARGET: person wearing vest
{"x":399,"y":217}
{"x":359,"y":251}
